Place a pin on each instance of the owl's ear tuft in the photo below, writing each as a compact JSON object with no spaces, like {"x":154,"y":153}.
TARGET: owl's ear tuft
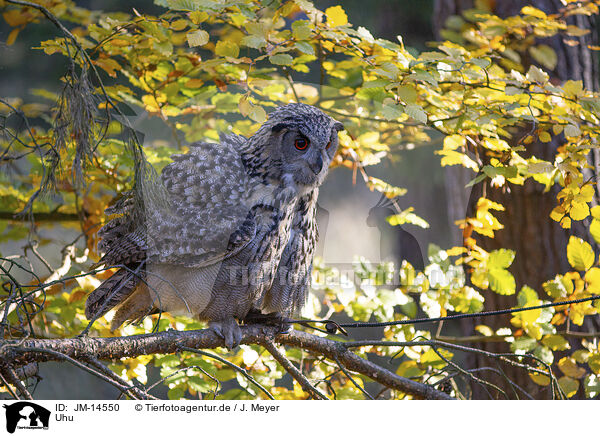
{"x":338,"y":126}
{"x":279,"y":127}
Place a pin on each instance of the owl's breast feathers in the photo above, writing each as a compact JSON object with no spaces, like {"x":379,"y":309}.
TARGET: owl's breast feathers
{"x":216,"y":208}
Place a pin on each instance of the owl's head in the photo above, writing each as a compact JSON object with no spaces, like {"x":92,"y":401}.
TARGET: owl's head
{"x":301,"y":141}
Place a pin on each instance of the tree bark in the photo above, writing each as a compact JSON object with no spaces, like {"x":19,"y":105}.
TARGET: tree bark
{"x":22,"y":353}
{"x":539,"y":242}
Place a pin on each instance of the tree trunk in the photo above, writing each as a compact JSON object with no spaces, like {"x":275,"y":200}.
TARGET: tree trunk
{"x":539,"y":242}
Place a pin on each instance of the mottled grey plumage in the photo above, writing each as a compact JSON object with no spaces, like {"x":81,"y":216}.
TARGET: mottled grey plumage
{"x":236,"y":234}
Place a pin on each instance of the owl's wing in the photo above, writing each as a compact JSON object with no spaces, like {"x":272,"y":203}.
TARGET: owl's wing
{"x":289,"y":290}
{"x":205,"y":220}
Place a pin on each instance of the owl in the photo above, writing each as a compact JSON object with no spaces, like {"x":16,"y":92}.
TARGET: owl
{"x":235,"y":235}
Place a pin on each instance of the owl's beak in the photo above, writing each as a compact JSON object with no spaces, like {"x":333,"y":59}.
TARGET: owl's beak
{"x":317,"y":166}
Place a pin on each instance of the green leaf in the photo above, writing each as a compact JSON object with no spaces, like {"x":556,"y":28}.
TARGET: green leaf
{"x":176,"y":393}
{"x":555,"y":288}
{"x":407,"y":94}
{"x":544,"y":55}
{"x":305,"y":47}
{"x":572,"y":130}
{"x":556,"y":342}
{"x":592,"y":386}
{"x":580,"y":254}
{"x":254,"y":41}
{"x":281,"y":59}
{"x":594,"y":363}
{"x":409,"y":368}
{"x":301,"y":29}
{"x":416,"y":112}
{"x":431,"y":358}
{"x":569,"y":386}
{"x":392,"y":112}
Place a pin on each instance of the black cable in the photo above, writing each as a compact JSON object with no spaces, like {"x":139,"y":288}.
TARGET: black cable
{"x":332,"y":326}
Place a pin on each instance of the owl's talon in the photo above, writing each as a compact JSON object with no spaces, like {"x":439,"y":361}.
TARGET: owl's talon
{"x":228,"y":330}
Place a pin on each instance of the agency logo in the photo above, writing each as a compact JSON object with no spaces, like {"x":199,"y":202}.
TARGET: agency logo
{"x":26,"y":415}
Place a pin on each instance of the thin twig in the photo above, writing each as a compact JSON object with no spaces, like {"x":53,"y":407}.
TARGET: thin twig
{"x":347,"y":374}
{"x":293,"y":371}
{"x":231,"y":365}
{"x":11,"y":377}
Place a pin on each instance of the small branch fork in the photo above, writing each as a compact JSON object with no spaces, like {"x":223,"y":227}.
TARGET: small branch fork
{"x":86,"y":353}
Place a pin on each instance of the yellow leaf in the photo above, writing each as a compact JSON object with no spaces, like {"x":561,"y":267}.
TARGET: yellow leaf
{"x":109,"y":65}
{"x":579,"y":211}
{"x":150,"y":103}
{"x":484,"y":330}
{"x":580,"y":254}
{"x":495,"y":144}
{"x":257,"y":114}
{"x":244,"y":106}
{"x":557,"y":213}
{"x":576,"y":31}
{"x":452,"y":142}
{"x":451,"y":157}
{"x":586,"y":193}
{"x":595,"y":229}
{"x":179,"y":25}
{"x":545,"y":137}
{"x":456,"y":251}
{"x":198,"y":17}
{"x":531,"y":316}
{"x":194,"y":83}
{"x":565,"y":223}
{"x":569,"y":368}
{"x":539,"y":379}
{"x":12,"y":36}
{"x":16,"y":17}
{"x":533,"y":12}
{"x":227,"y":48}
{"x":592,"y":278}
{"x":379,"y":185}
{"x":336,"y":16}
{"x":573,"y":87}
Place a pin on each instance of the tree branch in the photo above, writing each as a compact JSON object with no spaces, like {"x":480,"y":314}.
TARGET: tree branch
{"x":40,"y":216}
{"x":293,"y":371}
{"x":171,"y":341}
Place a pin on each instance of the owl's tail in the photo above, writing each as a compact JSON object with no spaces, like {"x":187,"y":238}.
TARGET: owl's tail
{"x":111,"y":292}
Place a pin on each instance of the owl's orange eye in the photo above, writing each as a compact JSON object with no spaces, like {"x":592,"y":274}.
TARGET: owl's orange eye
{"x":328,"y":145}
{"x":301,"y":143}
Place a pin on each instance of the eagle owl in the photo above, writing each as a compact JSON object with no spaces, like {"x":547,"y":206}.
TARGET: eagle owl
{"x":236,"y":234}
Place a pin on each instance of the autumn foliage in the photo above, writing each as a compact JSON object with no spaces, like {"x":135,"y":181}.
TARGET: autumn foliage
{"x":205,"y":67}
